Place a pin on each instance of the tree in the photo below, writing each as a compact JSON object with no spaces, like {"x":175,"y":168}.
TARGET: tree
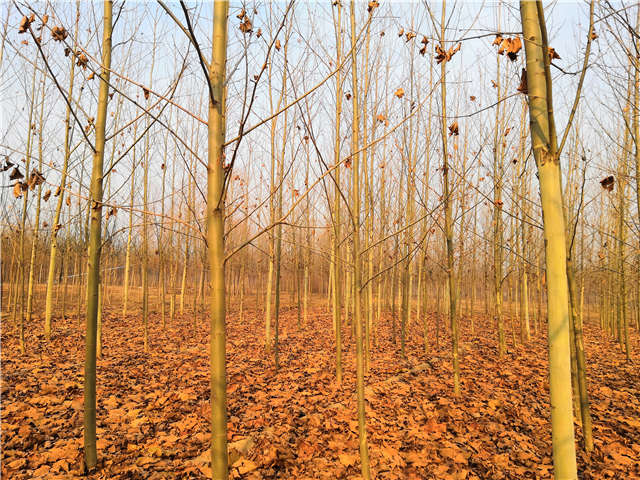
{"x":448,"y":207}
{"x":63,"y":183}
{"x":95,"y":247}
{"x":215,"y":239}
{"x":545,"y":151}
{"x":355,"y":254}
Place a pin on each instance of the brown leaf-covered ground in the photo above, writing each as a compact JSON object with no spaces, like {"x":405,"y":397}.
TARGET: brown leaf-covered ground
{"x":153,"y":409}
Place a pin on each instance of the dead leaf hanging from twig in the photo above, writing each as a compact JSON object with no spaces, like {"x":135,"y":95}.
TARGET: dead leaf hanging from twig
{"x":608,"y":183}
{"x":15,"y":174}
{"x":17,"y":190}
{"x":35,"y":179}
{"x":7,"y":165}
{"x":553,"y":55}
{"x":25,"y":23}
{"x":522,"y":88}
{"x":59,"y":34}
{"x":445,"y":56}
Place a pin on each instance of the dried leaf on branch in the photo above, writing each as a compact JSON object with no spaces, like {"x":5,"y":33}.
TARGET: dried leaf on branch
{"x":445,"y":56}
{"x":35,"y":179}
{"x":522,"y":88}
{"x":25,"y":23}
{"x":82,"y":60}
{"x":17,"y":190}
{"x":16,"y":174}
{"x":59,"y":34}
{"x":607,"y":183}
{"x":509,"y":45}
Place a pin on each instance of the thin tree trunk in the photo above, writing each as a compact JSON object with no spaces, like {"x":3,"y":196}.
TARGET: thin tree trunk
{"x":355,"y":219}
{"x":36,"y":231}
{"x":56,"y":225}
{"x":25,"y":197}
{"x":337,"y":250}
{"x":95,"y":240}
{"x":215,"y":241}
{"x":127,"y":262}
{"x":636,"y":139}
{"x":278,"y":244}
{"x":145,"y":239}
{"x":448,"y":217}
{"x":498,"y":173}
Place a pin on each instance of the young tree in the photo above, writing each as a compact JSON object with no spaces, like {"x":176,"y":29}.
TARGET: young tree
{"x":215,"y":239}
{"x":95,"y":246}
{"x":336,"y":213}
{"x":448,"y":208}
{"x":56,"y":225}
{"x":357,"y":264}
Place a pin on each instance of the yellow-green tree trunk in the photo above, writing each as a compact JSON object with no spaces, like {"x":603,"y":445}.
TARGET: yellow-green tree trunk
{"x":448,"y":215}
{"x":215,"y":242}
{"x":95,"y":241}
{"x":544,"y":143}
{"x":55,"y":225}
{"x":357,"y":264}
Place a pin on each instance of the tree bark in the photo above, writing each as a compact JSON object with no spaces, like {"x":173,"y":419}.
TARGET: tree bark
{"x":544,"y":143}
{"x":357,"y":291}
{"x":215,"y":242}
{"x":95,"y":241}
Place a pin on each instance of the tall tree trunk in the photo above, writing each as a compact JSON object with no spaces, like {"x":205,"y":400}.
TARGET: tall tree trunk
{"x":337,"y":241}
{"x":498,"y":173}
{"x":56,"y":225}
{"x":127,"y":262}
{"x":355,"y":219}
{"x":307,"y":254}
{"x":623,"y":325}
{"x":367,"y":153}
{"x":145,"y":246}
{"x":273,"y":190}
{"x":524,"y":211}
{"x":636,"y":140}
{"x":95,"y":241}
{"x":544,"y":143}
{"x":145,"y":208}
{"x":215,"y":241}
{"x":278,"y":240}
{"x":23,"y":219}
{"x":162,"y":248}
{"x":448,"y":217}
{"x":36,"y":230}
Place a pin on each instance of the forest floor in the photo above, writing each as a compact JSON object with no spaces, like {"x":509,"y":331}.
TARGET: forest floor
{"x":297,"y":423}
